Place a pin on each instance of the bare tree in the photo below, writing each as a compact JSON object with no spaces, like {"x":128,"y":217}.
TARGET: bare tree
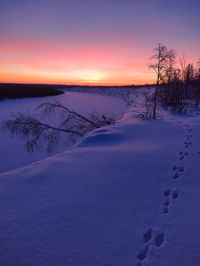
{"x":160,"y":64}
{"x":183,"y":64}
{"x":198,"y":70}
{"x":170,"y":71}
{"x":39,"y":130}
{"x":176,"y":87}
{"x":198,"y":63}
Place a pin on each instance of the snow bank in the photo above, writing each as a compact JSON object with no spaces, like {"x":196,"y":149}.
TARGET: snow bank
{"x":110,"y":200}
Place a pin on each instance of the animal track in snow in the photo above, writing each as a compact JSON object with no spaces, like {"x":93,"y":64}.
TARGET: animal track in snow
{"x":165,"y":210}
{"x":176,"y":175}
{"x":189,"y":136}
{"x":159,"y":239}
{"x":167,"y":192}
{"x":181,"y":169}
{"x":166,"y":203}
{"x":187,"y":144}
{"x":148,"y":235}
{"x":166,"y":206}
{"x":175,"y":167}
{"x":143,"y":253}
{"x":175,"y":194}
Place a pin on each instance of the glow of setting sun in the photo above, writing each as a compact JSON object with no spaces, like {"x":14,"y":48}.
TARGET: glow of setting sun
{"x":90,"y":76}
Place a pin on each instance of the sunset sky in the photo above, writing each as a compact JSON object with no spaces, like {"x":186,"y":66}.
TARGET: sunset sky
{"x":92,"y":41}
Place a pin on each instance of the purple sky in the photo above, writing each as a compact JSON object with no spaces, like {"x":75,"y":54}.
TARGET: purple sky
{"x":103,"y":41}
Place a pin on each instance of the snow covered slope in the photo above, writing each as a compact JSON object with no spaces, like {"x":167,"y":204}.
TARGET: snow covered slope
{"x":124,"y":195}
{"x":13,"y":153}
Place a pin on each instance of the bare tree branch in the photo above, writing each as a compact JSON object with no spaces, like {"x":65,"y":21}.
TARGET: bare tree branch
{"x":51,"y":107}
{"x":37,"y":132}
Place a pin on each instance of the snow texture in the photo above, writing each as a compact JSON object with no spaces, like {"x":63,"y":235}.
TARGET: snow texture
{"x":112,"y":199}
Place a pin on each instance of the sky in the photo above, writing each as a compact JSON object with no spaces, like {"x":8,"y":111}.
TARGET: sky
{"x":106,"y":42}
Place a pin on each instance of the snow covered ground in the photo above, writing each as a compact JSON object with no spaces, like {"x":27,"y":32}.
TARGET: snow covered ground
{"x":124,"y":195}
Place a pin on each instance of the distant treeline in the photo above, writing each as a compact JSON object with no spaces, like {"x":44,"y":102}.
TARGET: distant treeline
{"x":16,"y":90}
{"x":13,"y":91}
{"x":108,"y":86}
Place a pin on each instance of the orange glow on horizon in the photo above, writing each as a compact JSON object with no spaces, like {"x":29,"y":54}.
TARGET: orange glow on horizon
{"x":92,"y":80}
{"x":82,"y":77}
{"x":41,"y":62}
{"x":60,"y":63}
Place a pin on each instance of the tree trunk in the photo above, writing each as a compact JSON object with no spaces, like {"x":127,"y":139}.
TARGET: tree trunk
{"x":155,"y":100}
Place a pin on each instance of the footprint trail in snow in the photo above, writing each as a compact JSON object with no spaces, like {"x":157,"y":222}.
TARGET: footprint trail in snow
{"x":153,"y":238}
